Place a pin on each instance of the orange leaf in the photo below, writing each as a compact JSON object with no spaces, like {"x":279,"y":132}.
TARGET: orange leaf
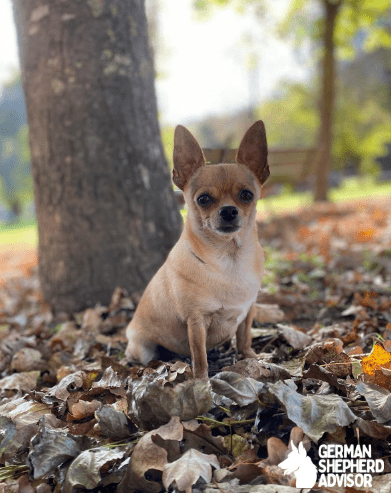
{"x":378,"y":358}
{"x":365,"y":234}
{"x":304,"y":232}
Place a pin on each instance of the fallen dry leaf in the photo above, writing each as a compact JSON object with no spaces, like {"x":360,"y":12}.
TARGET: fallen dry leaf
{"x":296,"y":338}
{"x":199,"y":435}
{"x":336,"y":291}
{"x":379,"y":358}
{"x":379,"y":401}
{"x":85,"y":470}
{"x":147,"y":455}
{"x":84,"y":409}
{"x":186,"y":470}
{"x":258,"y":370}
{"x":373,"y":429}
{"x":50,"y":448}
{"x":68,"y":384}
{"x":114,"y":424}
{"x":27,"y":359}
{"x":24,"y":381}
{"x":155,"y":397}
{"x":314,"y":414}
{"x":242,"y":390}
{"x":340,"y":365}
{"x":324,"y":352}
{"x":268,"y":313}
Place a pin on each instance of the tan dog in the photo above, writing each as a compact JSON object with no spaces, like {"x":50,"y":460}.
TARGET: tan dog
{"x":204,"y":292}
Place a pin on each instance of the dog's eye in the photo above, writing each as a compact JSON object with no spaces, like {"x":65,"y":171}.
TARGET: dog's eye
{"x":204,"y":199}
{"x":246,"y":195}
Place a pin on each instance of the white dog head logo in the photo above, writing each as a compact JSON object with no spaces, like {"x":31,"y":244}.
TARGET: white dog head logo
{"x":301,"y":466}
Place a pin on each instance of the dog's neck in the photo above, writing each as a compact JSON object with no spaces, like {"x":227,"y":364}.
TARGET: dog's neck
{"x":207,"y":244}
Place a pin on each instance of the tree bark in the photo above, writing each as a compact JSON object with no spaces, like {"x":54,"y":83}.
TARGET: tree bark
{"x":326,"y":102}
{"x":105,"y":206}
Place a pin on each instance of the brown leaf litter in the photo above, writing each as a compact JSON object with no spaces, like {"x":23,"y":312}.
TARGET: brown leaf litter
{"x":74,"y":417}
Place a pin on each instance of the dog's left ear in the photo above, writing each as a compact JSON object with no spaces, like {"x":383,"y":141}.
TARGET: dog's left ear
{"x":252,"y":151}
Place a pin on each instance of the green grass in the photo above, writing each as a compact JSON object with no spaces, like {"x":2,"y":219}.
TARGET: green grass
{"x":287,"y":201}
{"x":22,"y":232}
{"x":351,"y":189}
{"x":360,"y":188}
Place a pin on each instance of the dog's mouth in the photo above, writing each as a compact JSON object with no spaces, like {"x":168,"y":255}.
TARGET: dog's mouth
{"x":228,"y":229}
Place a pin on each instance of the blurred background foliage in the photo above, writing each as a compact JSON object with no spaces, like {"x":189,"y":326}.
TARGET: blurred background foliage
{"x":362,"y":36}
{"x":361,"y":128}
{"x":16,"y":185}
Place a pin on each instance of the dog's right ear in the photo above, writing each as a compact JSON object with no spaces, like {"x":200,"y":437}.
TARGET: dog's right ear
{"x":188,"y":157}
{"x":252,"y":151}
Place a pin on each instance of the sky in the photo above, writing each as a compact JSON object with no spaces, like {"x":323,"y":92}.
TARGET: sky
{"x":203,"y":64}
{"x":8,"y":44}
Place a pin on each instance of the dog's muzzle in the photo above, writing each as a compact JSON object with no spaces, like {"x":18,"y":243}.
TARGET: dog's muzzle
{"x":229,"y":218}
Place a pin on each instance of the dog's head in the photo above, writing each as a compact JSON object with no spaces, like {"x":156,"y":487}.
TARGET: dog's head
{"x":221,"y":198}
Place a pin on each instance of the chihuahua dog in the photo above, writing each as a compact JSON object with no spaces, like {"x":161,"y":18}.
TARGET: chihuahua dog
{"x":204,"y":293}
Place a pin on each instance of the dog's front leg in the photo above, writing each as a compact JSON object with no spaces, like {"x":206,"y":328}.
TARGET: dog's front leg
{"x":243,"y":335}
{"x":196,"y":332}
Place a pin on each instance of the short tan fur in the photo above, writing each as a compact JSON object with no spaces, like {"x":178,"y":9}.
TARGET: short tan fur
{"x":205,"y":291}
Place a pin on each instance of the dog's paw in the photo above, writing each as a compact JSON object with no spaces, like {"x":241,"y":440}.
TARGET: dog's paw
{"x":249,"y":353}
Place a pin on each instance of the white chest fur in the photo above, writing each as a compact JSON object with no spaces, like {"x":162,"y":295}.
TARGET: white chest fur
{"x":240,"y":279}
{"x":236,"y":289}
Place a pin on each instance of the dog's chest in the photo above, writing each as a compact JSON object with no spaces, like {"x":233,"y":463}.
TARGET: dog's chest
{"x":238,"y":283}
{"x":235,"y":293}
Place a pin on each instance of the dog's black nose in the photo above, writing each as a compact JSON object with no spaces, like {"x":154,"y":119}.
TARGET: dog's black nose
{"x":228,"y":213}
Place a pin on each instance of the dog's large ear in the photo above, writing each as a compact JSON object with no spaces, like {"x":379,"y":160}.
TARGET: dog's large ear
{"x":253,"y":151}
{"x":188,"y":157}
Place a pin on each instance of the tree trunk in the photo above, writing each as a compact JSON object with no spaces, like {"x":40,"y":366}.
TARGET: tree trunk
{"x":326,"y":102}
{"x":105,"y":206}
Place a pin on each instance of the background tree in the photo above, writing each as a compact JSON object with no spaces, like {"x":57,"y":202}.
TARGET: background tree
{"x":326,"y":100}
{"x":105,"y":206}
{"x":336,"y":29}
{"x":362,"y":121}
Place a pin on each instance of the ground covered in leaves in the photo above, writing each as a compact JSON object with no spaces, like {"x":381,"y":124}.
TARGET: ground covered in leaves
{"x":74,"y":418}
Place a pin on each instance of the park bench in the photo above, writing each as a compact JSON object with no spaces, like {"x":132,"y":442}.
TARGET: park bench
{"x":287,"y":166}
{"x":295,"y":167}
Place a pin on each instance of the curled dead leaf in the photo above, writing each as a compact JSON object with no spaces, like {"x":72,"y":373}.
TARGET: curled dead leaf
{"x":268,"y":313}
{"x":120,"y":299}
{"x":322,"y":373}
{"x":84,"y":409}
{"x":240,"y":389}
{"x":66,"y":337}
{"x":92,"y":319}
{"x":68,"y":384}
{"x":25,"y":381}
{"x":112,"y":423}
{"x":27,"y":359}
{"x":324,"y":352}
{"x":373,"y":429}
{"x":315,"y":414}
{"x":186,"y":470}
{"x":258,"y":370}
{"x":148,"y":456}
{"x":50,"y":448}
{"x":340,"y":365}
{"x":86,"y":470}
{"x":379,"y":401}
{"x":296,"y":338}
{"x":276,"y":451}
{"x":154,"y":398}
